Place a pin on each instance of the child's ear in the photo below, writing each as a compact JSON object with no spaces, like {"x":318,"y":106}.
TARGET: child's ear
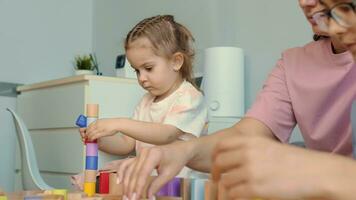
{"x":178,"y":60}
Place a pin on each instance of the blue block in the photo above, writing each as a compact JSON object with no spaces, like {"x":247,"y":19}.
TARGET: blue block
{"x":81,"y":121}
{"x":91,"y":162}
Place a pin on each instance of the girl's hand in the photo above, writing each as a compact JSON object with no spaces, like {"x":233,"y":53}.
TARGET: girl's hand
{"x":77,"y":181}
{"x":83,"y":134}
{"x":101,"y":128}
{"x":251,"y":167}
{"x":135,"y":172}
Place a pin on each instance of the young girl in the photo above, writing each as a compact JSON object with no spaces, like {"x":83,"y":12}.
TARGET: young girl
{"x":160,"y":51}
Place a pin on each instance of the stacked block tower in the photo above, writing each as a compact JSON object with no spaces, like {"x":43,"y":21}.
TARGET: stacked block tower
{"x":91,"y":153}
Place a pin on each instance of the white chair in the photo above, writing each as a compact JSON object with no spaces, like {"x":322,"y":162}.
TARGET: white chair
{"x":31,"y":176}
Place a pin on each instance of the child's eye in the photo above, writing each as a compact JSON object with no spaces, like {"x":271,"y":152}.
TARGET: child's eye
{"x":137,"y":71}
{"x":148,"y":68}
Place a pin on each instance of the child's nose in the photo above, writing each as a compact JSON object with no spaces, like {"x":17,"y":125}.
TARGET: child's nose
{"x":142,"y":77}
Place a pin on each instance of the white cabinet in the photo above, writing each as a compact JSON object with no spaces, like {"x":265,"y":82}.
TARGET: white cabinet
{"x":49,"y":109}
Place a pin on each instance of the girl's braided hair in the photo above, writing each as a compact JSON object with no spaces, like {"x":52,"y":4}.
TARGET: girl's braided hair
{"x":167,"y":38}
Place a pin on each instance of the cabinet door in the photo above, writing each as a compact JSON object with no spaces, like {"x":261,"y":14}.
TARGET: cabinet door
{"x":58,"y":150}
{"x":53,"y":107}
{"x":115,"y":99}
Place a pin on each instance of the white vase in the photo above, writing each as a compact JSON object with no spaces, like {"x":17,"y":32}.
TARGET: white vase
{"x":81,"y":72}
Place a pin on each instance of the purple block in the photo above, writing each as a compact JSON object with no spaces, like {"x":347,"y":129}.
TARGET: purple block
{"x":163,"y":192}
{"x":92,"y":149}
{"x":174,"y":187}
{"x":171,"y":189}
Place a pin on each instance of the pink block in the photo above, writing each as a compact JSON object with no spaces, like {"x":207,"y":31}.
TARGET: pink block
{"x":92,"y":149}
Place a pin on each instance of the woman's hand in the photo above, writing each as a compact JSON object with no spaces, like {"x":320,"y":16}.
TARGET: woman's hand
{"x":251,"y":167}
{"x":135,"y":173}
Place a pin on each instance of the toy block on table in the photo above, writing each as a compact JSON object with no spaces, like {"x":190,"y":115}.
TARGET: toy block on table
{"x":91,"y":150}
{"x":211,"y":190}
{"x":171,"y":189}
{"x":45,"y":197}
{"x":104,"y":182}
{"x":185,"y":188}
{"x":222,"y":195}
{"x":117,"y":189}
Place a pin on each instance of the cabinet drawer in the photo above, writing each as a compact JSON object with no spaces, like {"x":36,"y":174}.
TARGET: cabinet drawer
{"x":53,"y":107}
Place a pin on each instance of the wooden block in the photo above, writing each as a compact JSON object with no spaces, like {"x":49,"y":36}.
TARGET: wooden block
{"x":53,"y":197}
{"x":90,"y":176}
{"x":89,"y":189}
{"x":75,"y":195}
{"x":92,"y":110}
{"x":109,"y":196}
{"x":115,"y":188}
{"x":92,"y":198}
{"x":169,"y":198}
{"x":185,"y":188}
{"x":222,"y":195}
{"x":118,"y":189}
{"x":211,"y":190}
{"x":62,"y":192}
{"x":104,"y":183}
{"x":22,"y":194}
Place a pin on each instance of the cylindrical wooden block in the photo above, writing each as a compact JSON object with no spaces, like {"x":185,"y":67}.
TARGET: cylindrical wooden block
{"x":197,"y":190}
{"x":185,"y":188}
{"x":91,"y":120}
{"x":114,"y":188}
{"x":211,"y":190}
{"x":91,"y":162}
{"x":92,"y":149}
{"x":222,"y":192}
{"x":88,"y":141}
{"x":89,"y":189}
{"x":92,"y":110}
{"x":104,"y":182}
{"x":90,"y":176}
{"x":174,"y":187}
{"x":60,"y":192}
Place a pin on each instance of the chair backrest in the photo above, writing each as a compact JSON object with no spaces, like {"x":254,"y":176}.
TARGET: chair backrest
{"x":31,"y":176}
{"x":353,"y":121}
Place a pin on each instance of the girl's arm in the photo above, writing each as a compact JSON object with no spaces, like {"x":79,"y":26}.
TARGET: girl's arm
{"x":148,"y":132}
{"x":117,"y":144}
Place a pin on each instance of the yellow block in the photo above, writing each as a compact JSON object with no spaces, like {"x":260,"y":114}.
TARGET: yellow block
{"x":89,"y":189}
{"x":3,"y":198}
{"x":62,"y":192}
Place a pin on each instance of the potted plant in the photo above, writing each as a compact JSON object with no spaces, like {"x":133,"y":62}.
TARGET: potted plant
{"x":84,"y":64}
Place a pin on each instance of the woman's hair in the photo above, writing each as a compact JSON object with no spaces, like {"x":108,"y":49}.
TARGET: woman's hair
{"x":167,"y":38}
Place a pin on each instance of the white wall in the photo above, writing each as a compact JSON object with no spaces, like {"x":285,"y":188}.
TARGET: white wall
{"x":113,"y":19}
{"x":38,"y":41}
{"x":262,"y":28}
{"x":39,"y":38}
